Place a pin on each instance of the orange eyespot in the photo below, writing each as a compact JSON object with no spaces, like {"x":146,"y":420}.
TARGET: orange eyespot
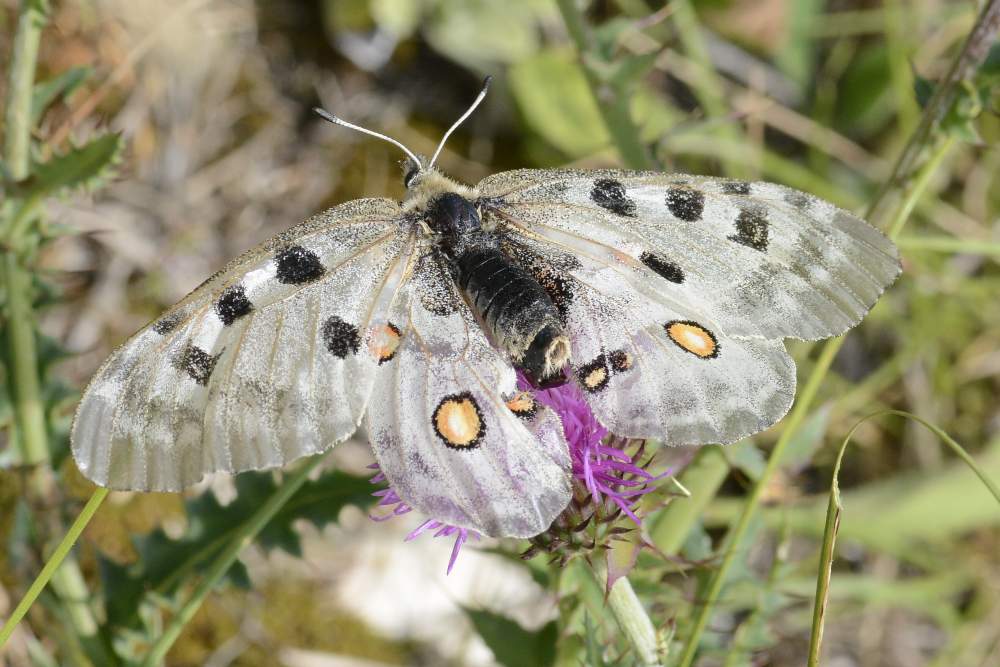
{"x":693,"y":338}
{"x":594,"y":376}
{"x":523,"y":405}
{"x":383,"y":340}
{"x":458,"y":422}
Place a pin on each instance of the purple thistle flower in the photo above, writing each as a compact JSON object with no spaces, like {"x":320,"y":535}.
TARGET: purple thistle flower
{"x":605,"y":470}
{"x":388,"y":498}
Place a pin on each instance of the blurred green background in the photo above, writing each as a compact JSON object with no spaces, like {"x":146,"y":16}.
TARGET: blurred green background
{"x":213,"y":98}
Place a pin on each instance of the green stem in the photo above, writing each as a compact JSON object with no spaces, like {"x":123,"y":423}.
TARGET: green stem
{"x":53,"y":564}
{"x":630,"y":615}
{"x":240,"y":539}
{"x":613,"y":104}
{"x":17,"y":135}
{"x":22,"y":362}
{"x":22,"y":353}
{"x":919,"y":184}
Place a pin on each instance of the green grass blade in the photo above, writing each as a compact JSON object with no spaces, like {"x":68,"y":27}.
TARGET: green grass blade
{"x":53,"y":563}
{"x":835,"y":509}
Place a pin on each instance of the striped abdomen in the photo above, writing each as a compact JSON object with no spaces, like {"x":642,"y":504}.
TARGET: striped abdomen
{"x":516,"y":310}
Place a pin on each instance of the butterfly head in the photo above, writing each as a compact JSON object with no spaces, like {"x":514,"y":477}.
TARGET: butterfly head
{"x":424,"y":185}
{"x":411,"y":169}
{"x":419,"y":175}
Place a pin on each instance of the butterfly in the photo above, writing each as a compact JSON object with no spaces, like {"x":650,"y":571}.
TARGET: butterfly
{"x":665,"y":298}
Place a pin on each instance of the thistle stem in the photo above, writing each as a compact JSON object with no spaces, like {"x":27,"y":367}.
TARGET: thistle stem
{"x":22,"y":355}
{"x":17,"y":117}
{"x":630,"y":615}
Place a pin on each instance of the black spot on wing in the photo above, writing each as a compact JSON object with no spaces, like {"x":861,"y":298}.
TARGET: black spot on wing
{"x":296,"y":265}
{"x":799,"y":200}
{"x":752,"y":228}
{"x":663,"y":266}
{"x":610,"y":194}
{"x":340,"y":338}
{"x":620,"y":361}
{"x":165,"y":325}
{"x":197,"y":363}
{"x":736,"y":187}
{"x":686,"y":204}
{"x":233,"y":304}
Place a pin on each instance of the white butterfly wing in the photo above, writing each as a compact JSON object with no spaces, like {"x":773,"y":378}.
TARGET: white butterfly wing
{"x":758,"y":258}
{"x":450,"y":431}
{"x":652,"y":369}
{"x":264,"y":363}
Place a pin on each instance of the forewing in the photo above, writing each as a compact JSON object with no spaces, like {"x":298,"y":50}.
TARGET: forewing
{"x":759,"y":259}
{"x":450,"y":431}
{"x":655,"y":370}
{"x":265,"y":362}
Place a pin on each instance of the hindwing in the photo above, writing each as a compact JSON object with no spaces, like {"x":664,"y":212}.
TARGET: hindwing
{"x":448,"y":426}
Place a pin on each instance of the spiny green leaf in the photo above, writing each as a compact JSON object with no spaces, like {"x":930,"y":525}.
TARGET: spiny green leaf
{"x":63,"y":85}
{"x":84,"y":167}
{"x":512,"y":645}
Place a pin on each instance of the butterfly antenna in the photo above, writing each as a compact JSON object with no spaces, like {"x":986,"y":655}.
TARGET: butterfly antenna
{"x":479,"y":98}
{"x":326,"y":115}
